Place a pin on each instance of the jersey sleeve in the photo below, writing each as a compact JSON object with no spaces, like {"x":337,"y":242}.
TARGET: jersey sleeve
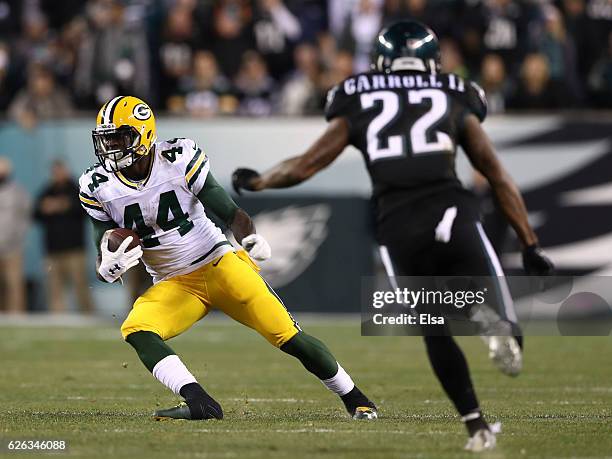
{"x":197,"y":166}
{"x":89,"y":202}
{"x":337,"y":104}
{"x":476,"y":101}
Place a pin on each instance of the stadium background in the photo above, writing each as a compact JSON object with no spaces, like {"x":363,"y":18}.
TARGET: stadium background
{"x":247,"y":80}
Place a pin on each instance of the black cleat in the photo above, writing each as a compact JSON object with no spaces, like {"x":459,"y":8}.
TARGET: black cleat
{"x":191,"y":410}
{"x":181,"y":411}
{"x":359,"y":406}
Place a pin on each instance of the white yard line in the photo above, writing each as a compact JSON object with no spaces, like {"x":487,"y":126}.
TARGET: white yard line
{"x":315,"y":430}
{"x":271,"y":400}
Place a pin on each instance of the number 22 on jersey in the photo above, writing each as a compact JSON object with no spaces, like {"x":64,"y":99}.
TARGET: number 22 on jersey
{"x":423,"y":137}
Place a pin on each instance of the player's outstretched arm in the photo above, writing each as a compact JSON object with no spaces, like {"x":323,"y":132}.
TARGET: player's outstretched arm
{"x":214,"y":197}
{"x":481,"y":153}
{"x":299,"y":168}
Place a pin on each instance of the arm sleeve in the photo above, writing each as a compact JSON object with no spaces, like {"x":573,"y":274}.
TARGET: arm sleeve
{"x":341,"y":105}
{"x":99,"y":228}
{"x":336,"y":104}
{"x":476,"y":101}
{"x":214,"y":197}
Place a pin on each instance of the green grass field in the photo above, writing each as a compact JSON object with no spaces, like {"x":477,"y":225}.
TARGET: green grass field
{"x":85,"y":386}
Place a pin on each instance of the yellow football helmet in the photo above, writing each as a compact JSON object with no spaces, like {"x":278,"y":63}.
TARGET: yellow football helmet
{"x":125,"y":132}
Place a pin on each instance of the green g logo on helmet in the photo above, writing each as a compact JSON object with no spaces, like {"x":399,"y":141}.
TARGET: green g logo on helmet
{"x":406,"y":45}
{"x":142,"y":112}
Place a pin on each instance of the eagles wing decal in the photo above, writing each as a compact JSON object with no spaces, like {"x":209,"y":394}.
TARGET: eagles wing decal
{"x":295,"y":234}
{"x":574,"y":208}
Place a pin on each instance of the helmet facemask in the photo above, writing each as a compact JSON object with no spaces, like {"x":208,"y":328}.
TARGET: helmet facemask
{"x":117,"y":148}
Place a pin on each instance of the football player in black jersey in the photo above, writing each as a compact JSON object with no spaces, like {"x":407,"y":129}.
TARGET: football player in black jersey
{"x":408,"y":119}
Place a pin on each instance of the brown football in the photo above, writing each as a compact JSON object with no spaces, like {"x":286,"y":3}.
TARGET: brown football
{"x":118,"y":235}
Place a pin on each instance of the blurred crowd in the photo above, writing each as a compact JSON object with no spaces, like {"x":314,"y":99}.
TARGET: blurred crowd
{"x":262,"y":57}
{"x":57,"y":211}
{"x":59,"y":214}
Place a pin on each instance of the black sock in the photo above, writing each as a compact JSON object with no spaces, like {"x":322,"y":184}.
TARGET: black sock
{"x":201,"y":405}
{"x":355,"y":398}
{"x":474,"y":421}
{"x":450,"y":366}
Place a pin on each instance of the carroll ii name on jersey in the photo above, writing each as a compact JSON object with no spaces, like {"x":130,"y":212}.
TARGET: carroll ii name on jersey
{"x":407,"y":125}
{"x":162,"y":209}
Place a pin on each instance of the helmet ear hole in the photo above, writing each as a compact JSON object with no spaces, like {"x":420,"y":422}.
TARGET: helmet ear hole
{"x":149,"y":134}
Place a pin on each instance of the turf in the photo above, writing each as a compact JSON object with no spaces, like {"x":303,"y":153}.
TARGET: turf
{"x":85,"y":386}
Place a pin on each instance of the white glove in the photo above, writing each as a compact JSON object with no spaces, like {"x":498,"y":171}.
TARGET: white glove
{"x":114,"y":264}
{"x":257,"y":247}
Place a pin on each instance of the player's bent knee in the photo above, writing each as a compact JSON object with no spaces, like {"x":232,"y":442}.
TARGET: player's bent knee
{"x":264,"y":312}
{"x":278,"y":327}
{"x":128,"y":327}
{"x":280,"y":339}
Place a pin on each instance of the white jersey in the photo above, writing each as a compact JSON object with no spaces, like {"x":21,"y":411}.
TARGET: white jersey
{"x":163,"y":209}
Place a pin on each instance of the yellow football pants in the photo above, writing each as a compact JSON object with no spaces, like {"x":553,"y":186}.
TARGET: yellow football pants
{"x":229,"y":283}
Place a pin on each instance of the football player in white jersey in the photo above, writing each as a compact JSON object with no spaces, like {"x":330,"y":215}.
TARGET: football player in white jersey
{"x":163,"y":190}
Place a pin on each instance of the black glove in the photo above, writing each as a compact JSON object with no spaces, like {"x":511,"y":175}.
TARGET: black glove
{"x":536,"y":262}
{"x":241,"y":180}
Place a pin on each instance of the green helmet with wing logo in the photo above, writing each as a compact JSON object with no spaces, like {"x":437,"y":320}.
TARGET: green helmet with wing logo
{"x":406,"y":45}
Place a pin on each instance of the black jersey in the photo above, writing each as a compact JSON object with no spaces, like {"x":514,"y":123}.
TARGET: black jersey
{"x":407,"y":126}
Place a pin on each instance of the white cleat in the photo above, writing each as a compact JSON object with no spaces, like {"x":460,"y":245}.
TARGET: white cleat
{"x":483,"y":439}
{"x":505,"y":353}
{"x":365,"y":413}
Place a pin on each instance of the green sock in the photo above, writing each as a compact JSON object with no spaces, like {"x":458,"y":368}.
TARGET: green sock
{"x":314,"y":355}
{"x":150,"y":348}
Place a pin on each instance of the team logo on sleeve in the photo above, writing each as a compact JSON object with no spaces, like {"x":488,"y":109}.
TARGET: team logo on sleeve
{"x":331,"y":94}
{"x":142,"y":112}
{"x":480,"y":92}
